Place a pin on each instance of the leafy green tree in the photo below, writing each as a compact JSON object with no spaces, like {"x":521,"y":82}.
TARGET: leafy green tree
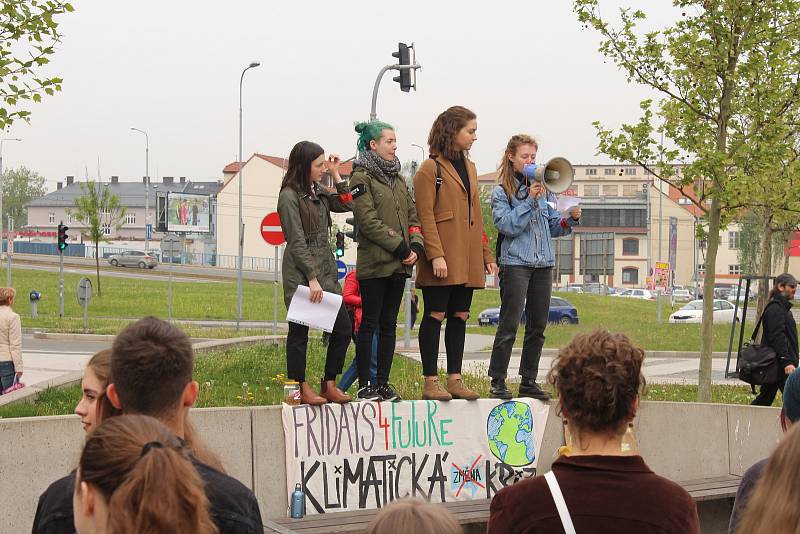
{"x":101,"y":210}
{"x":20,"y":186}
{"x":727,"y":73}
{"x":28,"y":36}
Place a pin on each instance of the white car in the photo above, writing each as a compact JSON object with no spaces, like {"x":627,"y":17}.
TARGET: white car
{"x":693,"y":312}
{"x":644,"y":294}
{"x":682,"y":295}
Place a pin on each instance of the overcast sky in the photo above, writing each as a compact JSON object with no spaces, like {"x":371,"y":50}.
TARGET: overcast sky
{"x":172,"y":68}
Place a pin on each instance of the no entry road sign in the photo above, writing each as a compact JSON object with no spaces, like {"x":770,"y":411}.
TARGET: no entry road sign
{"x":271,"y":229}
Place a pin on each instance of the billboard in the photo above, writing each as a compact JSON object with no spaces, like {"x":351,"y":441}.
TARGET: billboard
{"x":188,"y":213}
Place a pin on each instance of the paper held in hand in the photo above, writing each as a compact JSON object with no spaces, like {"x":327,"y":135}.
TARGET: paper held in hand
{"x":320,"y":315}
{"x":566,"y":203}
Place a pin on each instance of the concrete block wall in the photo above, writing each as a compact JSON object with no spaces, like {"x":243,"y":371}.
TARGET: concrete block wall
{"x":681,"y":441}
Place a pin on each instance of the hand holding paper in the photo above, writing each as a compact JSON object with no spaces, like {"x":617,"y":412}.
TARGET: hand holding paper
{"x":320,"y":315}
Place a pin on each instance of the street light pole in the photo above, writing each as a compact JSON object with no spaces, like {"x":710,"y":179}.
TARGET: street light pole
{"x":2,"y":190}
{"x":241,"y":220}
{"x":146,"y":187}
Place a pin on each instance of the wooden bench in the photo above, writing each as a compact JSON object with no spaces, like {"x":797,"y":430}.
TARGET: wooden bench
{"x":473,"y":515}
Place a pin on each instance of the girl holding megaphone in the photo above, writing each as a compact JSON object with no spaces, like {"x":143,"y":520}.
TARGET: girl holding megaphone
{"x":526,"y":220}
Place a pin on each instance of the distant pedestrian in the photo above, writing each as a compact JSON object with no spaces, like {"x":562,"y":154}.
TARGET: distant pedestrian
{"x":10,"y":339}
{"x":134,"y":475}
{"x":407,"y":516}
{"x":351,"y":295}
{"x":457,"y":255}
{"x":598,"y":377}
{"x":773,"y":507}
{"x":305,"y":209}
{"x":780,"y":334}
{"x":414,"y":305}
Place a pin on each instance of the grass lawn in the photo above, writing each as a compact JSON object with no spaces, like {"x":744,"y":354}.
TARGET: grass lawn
{"x":125,"y":298}
{"x":253,"y":376}
{"x":636,"y":318}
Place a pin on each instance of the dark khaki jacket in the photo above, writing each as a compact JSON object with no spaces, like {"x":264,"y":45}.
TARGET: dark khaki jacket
{"x":386,"y":218}
{"x":308,"y":254}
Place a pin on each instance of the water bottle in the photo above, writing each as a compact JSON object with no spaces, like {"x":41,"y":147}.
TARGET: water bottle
{"x":291,"y":392}
{"x":298,"y":507}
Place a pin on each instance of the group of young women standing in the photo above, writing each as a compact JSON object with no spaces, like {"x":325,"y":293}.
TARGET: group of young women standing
{"x":440,"y":230}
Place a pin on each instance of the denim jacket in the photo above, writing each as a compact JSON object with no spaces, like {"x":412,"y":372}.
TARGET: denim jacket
{"x":528,"y":226}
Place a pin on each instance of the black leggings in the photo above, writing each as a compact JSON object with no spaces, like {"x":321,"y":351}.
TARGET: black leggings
{"x":380,"y":303}
{"x":297,"y":346}
{"x":449,"y":300}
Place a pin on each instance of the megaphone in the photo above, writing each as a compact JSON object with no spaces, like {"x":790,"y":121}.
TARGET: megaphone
{"x":556,"y":175}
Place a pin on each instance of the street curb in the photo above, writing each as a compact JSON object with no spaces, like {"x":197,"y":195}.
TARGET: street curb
{"x":650,"y":354}
{"x":29,"y":394}
{"x":73,"y":336}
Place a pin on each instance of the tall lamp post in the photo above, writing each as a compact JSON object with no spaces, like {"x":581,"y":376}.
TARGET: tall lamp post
{"x":146,"y":187}
{"x":2,"y":191}
{"x":252,"y":65}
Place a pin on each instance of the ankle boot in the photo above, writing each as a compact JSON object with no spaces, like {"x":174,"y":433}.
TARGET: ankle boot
{"x":309,"y":396}
{"x":456,"y":388}
{"x":433,"y":390}
{"x":499,"y":390}
{"x":329,"y":391}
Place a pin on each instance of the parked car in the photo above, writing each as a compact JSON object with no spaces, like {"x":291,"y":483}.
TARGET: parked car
{"x":644,"y":294}
{"x":133,"y":258}
{"x":574,"y":288}
{"x":682,"y":295}
{"x":693,"y":312}
{"x":622,"y":292}
{"x":561,"y":312}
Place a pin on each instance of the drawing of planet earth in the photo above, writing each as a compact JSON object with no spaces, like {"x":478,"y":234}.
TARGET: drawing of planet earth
{"x":509,"y":430}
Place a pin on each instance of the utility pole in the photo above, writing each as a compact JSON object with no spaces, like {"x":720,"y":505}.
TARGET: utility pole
{"x":10,"y":249}
{"x":2,"y":189}
{"x":146,"y":187}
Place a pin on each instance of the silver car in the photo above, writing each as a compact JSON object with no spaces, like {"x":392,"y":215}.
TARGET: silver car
{"x":133,"y":258}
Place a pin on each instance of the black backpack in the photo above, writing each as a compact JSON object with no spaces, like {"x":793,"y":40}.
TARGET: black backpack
{"x":757,"y":363}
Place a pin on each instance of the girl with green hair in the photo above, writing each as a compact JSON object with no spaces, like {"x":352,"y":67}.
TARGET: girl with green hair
{"x":389,"y":244}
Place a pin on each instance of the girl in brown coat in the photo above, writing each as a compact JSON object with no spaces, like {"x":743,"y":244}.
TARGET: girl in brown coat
{"x":457,"y":255}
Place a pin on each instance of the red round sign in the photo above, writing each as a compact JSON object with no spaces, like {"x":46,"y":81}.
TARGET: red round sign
{"x":271,"y":229}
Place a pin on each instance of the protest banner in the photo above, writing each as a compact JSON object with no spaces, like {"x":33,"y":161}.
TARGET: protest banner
{"x":365,"y":454}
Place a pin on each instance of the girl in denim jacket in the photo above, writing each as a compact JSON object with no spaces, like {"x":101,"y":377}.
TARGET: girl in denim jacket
{"x":528,"y":222}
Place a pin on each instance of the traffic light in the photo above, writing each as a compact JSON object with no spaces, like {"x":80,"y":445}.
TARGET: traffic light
{"x":352,"y":234}
{"x":62,"y":237}
{"x":403,"y":56}
{"x":339,"y":244}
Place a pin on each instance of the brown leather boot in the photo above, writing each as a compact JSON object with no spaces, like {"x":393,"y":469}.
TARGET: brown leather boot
{"x":309,"y":396}
{"x":434,"y":391}
{"x":459,"y":391}
{"x":329,"y":390}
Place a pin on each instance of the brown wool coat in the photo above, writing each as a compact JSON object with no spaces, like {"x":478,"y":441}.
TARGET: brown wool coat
{"x":451,"y":227}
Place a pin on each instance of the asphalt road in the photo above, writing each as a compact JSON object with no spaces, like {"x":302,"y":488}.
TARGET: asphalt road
{"x":160,"y":272}
{"x":45,"y":359}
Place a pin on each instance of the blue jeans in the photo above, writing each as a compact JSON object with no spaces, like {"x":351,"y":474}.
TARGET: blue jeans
{"x":351,"y":374}
{"x":6,"y":375}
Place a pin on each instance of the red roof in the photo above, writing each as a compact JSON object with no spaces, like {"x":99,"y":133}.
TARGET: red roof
{"x":345,"y":170}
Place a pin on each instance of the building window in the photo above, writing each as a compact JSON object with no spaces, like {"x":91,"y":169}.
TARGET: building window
{"x":106,"y":229}
{"x":701,"y":268}
{"x":647,"y":172}
{"x":105,"y":211}
{"x":630,"y":275}
{"x":591,"y":190}
{"x":605,"y":217}
{"x":703,"y":243}
{"x":608,"y":172}
{"x":733,"y":241}
{"x":734,"y":269}
{"x":591,"y":172}
{"x":630,"y":246}
{"x":610,"y":190}
{"x":683,"y":201}
{"x":630,"y":190}
{"x":130,"y":218}
{"x":51,"y":217}
{"x":630,"y":171}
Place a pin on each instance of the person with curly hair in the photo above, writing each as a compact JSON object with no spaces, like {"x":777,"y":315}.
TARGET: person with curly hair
{"x":598,"y":377}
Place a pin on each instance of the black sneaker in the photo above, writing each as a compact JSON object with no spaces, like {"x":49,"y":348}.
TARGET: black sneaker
{"x":529,"y":388}
{"x":388,"y":394}
{"x":369,"y":393}
{"x":499,"y":390}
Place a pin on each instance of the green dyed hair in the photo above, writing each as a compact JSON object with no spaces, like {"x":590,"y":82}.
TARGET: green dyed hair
{"x":370,"y":131}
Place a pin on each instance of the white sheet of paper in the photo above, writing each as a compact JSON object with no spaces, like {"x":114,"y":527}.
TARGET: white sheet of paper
{"x":320,"y":315}
{"x":566,"y":202}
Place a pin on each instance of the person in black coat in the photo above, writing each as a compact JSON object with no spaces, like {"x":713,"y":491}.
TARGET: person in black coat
{"x":780,"y":334}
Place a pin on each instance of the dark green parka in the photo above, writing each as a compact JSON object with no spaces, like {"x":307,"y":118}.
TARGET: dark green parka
{"x":388,"y":228}
{"x":306,"y":220}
